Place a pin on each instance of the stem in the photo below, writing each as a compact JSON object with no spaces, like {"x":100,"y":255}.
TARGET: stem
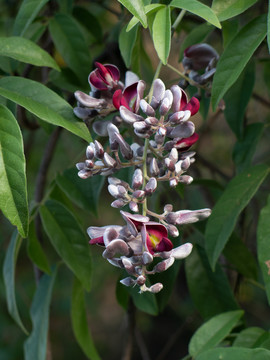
{"x":146,"y":143}
{"x":179,"y":72}
{"x":178,"y":20}
{"x":255,"y":283}
{"x":131,"y":327}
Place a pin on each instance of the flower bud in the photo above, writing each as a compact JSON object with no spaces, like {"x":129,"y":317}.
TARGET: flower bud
{"x":156,"y":288}
{"x":133,"y":206}
{"x":84,"y":174}
{"x":99,"y":150}
{"x":90,"y":151}
{"x":80,"y":166}
{"x":158,"y":91}
{"x":128,"y":116}
{"x":141,"y":280}
{"x":173,"y":182}
{"x":118,"y":203}
{"x":169,"y":164}
{"x":128,"y":281}
{"x":163,"y":265}
{"x":147,"y":258}
{"x":146,"y":108}
{"x":89,"y":164}
{"x":109,"y":161}
{"x":151,"y":186}
{"x":137,"y":179}
{"x":153,"y":168}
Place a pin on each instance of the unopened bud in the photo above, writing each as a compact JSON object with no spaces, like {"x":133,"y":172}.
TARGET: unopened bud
{"x":99,"y":151}
{"x":137,"y":179}
{"x":84,"y":174}
{"x":118,"y":203}
{"x":133,"y":206}
{"x":109,"y":161}
{"x":151,"y":186}
{"x":146,"y":108}
{"x":90,"y":151}
{"x":147,"y":258}
{"x":153,"y":168}
{"x":156,"y":288}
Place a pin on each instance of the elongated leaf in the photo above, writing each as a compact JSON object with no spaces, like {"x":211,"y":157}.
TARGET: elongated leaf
{"x":70,"y":43}
{"x":79,"y":322}
{"x":136,"y":8}
{"x":85,"y":193}
{"x":241,"y":257}
{"x":13,"y":191}
{"x":26,"y":51}
{"x":263,"y":236}
{"x":244,"y":149}
{"x":149,"y":9}
{"x":35,"y":346}
{"x":9,"y":279}
{"x":162,"y":33}
{"x":236,"y":56}
{"x":213,"y":332}
{"x":27,"y":13}
{"x":230,"y":8}
{"x":35,"y":251}
{"x":197,"y":8}
{"x":68,"y":239}
{"x":205,"y":284}
{"x":229,"y":29}
{"x":226,"y":211}
{"x":126,"y":43}
{"x":197,"y":35}
{"x":44,"y":103}
{"x":235,"y":353}
{"x":250,"y":337}
{"x":237,"y":99}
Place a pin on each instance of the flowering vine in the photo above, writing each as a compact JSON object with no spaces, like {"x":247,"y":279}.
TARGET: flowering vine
{"x":164,"y":135}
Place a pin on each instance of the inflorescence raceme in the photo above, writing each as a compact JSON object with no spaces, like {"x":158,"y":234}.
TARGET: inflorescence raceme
{"x":161,"y":152}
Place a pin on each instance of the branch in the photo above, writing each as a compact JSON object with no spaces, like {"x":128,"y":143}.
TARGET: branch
{"x":259,"y":98}
{"x":41,"y":183}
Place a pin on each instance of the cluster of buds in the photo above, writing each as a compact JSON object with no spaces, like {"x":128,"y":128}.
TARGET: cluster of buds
{"x":163,"y":135}
{"x":200,"y":62}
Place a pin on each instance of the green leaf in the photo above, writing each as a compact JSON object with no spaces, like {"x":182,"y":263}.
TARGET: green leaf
{"x":35,"y":251}
{"x":68,"y":239}
{"x":136,"y":8}
{"x":79,"y":322}
{"x":263,"y":236}
{"x":244,"y":149}
{"x":224,"y":216}
{"x":197,"y":8}
{"x":213,"y":332}
{"x":229,"y":30}
{"x":149,"y":9}
{"x":236,"y":56}
{"x":248,"y":338}
{"x":162,"y":33}
{"x":203,"y":283}
{"x":70,"y":43}
{"x":230,"y":8}
{"x":89,"y":21}
{"x":145,"y":302}
{"x":235,"y":353}
{"x":28,"y":10}
{"x":241,"y":257}
{"x":9,"y":267}
{"x":13,"y":191}
{"x":26,"y":51}
{"x":237,"y":99}
{"x":126,"y":43}
{"x":195,"y":36}
{"x":44,"y":103}
{"x":35,"y":346}
{"x":85,"y":193}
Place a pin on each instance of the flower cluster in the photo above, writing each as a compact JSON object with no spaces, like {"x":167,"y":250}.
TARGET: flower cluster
{"x":163,"y":134}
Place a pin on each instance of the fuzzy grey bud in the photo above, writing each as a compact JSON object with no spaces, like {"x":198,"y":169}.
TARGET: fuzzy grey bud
{"x":137,"y":179}
{"x":146,"y":108}
{"x":90,"y":151}
{"x":84,"y":174}
{"x":118,"y":203}
{"x":156,"y":288}
{"x":133,"y":206}
{"x":147,"y":258}
{"x":151,"y":186}
{"x":99,"y":150}
{"x":109,"y":161}
{"x":153,"y":168}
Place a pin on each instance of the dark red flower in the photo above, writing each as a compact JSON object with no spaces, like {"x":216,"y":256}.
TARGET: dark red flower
{"x":104,"y":77}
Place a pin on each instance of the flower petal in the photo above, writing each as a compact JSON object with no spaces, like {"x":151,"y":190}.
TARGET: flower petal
{"x":182,"y":251}
{"x":193,"y":106}
{"x":116,"y":246}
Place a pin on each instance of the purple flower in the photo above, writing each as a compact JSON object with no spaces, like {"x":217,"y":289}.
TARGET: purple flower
{"x":105,"y":77}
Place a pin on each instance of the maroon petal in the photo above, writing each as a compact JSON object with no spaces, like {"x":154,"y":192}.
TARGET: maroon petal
{"x":185,"y":144}
{"x":97,"y":241}
{"x":129,"y":94}
{"x":164,"y":245}
{"x":184,"y":100}
{"x":193,"y":106}
{"x":117,"y":96}
{"x":97,"y":81}
{"x":114,"y":71}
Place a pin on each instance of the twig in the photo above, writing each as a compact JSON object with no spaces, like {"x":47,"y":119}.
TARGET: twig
{"x":259,"y":98}
{"x":141,"y":345}
{"x":212,"y":167}
{"x":127,"y":354}
{"x":40,"y":185}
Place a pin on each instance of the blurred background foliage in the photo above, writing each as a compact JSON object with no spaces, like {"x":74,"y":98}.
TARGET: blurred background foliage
{"x":234,"y":137}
